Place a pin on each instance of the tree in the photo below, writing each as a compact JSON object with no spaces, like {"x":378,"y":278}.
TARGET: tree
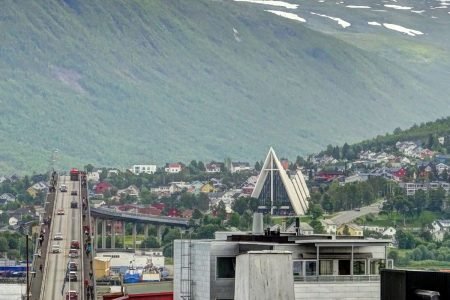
{"x":196,"y":214}
{"x":171,"y":234}
{"x":316,"y":211}
{"x":13,"y":242}
{"x":150,"y":242}
{"x":257,"y":166}
{"x":327,"y":203}
{"x":317,"y":226}
{"x":221,"y":212}
{"x":240,"y":205}
{"x":207,"y":231}
{"x":346,"y":231}
{"x":405,"y":240}
{"x":3,"y":244}
{"x":89,"y":168}
{"x":203,"y":202}
{"x":234,"y":220}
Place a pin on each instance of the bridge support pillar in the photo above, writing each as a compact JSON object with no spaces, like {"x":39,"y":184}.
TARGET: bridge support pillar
{"x":113,"y":234}
{"x":103,"y":234}
{"x":146,"y":230}
{"x":124,"y":232}
{"x":159,"y":232}
{"x":134,"y":235}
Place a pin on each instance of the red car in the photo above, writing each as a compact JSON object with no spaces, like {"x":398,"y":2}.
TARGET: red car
{"x":74,"y":244}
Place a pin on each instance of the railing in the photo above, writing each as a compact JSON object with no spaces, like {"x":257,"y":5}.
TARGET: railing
{"x":161,"y":219}
{"x":336,"y":278}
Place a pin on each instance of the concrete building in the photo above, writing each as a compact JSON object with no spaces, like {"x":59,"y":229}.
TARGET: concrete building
{"x":138,"y":169}
{"x":323,"y":266}
{"x":120,"y":261}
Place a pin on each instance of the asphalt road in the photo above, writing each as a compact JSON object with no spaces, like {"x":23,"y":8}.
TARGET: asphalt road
{"x":69,"y":225}
{"x":349,"y":215}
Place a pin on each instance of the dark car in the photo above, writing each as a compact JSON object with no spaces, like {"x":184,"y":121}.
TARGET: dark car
{"x":73,"y":266}
{"x":74,"y":204}
{"x":73,"y":193}
{"x":72,"y":276}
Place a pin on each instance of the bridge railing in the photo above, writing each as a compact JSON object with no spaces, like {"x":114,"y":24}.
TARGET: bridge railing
{"x":144,"y":217}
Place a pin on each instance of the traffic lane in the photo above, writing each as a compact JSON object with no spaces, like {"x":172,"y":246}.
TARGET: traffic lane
{"x":54,"y":267}
{"x":350,"y":215}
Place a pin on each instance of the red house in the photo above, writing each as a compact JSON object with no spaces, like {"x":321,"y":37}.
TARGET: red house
{"x":102,"y":187}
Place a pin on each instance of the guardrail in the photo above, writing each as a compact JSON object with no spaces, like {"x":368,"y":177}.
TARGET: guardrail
{"x":336,"y":278}
{"x":139,"y":216}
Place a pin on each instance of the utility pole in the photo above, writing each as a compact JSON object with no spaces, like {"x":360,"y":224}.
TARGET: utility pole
{"x":28,"y":276}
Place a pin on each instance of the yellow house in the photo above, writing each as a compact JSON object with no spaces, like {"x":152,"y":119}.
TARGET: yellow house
{"x":350,"y":229}
{"x":207,"y":188}
{"x":32,"y":192}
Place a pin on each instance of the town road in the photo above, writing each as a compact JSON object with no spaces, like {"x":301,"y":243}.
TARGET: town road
{"x":69,"y":225}
{"x":350,"y":215}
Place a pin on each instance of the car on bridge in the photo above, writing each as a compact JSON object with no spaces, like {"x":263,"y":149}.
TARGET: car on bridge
{"x":75,"y":244}
{"x":60,"y":211}
{"x":72,"y":295}
{"x":74,"y":193}
{"x":74,"y":204}
{"x":63,"y":188}
{"x":71,"y":276}
{"x":56,"y":248}
{"x":73,"y":266}
{"x":74,"y":253}
{"x":58,"y":236}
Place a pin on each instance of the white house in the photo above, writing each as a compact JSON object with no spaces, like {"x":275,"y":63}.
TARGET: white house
{"x":390,"y":231}
{"x":93,"y":176}
{"x":173,"y":168}
{"x":240,"y":166}
{"x":138,"y":169}
{"x":329,"y":226}
{"x":213,"y":168}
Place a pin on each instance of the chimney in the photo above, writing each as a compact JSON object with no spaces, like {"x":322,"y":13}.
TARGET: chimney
{"x":257,"y":228}
{"x":297,"y":225}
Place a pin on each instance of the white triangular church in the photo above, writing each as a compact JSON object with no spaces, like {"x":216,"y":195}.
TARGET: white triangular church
{"x":278,"y":192}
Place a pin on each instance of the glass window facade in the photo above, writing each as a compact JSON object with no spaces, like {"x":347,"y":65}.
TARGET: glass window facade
{"x":282,"y":204}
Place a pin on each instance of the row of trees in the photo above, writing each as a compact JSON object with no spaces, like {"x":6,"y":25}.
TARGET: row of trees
{"x":13,"y":245}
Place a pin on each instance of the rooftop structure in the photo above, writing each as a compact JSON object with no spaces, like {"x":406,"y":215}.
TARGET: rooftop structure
{"x":323,"y":266}
{"x":279,"y":193}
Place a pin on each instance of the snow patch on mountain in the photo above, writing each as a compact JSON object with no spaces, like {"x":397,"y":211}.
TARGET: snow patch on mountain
{"x":410,"y":32}
{"x":358,"y":6}
{"x":287,"y":15}
{"x":398,"y":7}
{"x":271,"y":3}
{"x":341,"y":22}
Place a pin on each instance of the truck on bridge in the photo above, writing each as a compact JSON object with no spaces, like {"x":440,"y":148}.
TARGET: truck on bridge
{"x":74,"y":174}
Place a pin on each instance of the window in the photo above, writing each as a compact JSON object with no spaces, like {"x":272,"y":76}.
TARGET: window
{"x":226,"y":267}
{"x":326,"y":267}
{"x":359,"y":267}
{"x":344,"y":267}
{"x":310,"y":268}
{"x":298,"y":267}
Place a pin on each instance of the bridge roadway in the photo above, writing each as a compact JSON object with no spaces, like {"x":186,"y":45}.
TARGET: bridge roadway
{"x":109,"y":214}
{"x":69,"y":224}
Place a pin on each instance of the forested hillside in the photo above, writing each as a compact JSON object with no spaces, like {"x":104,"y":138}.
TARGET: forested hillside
{"x":125,"y":82}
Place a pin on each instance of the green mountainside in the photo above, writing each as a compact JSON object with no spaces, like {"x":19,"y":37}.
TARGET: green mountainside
{"x":125,"y":82}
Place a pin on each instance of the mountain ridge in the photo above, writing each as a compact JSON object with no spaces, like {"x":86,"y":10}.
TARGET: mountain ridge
{"x":127,"y":83}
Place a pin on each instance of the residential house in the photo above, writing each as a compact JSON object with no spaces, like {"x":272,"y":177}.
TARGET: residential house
{"x":353,"y":230}
{"x":441,"y":167}
{"x":390,"y":231}
{"x":132,"y":191}
{"x":329,"y":226}
{"x":7,"y":197}
{"x":213,"y":167}
{"x":113,"y":172}
{"x":102,"y":187}
{"x":207,"y":188}
{"x":36,"y":188}
{"x":306,"y":229}
{"x":358,"y":177}
{"x":93,"y":176}
{"x":3,"y":179}
{"x":147,"y":169}
{"x":240,"y":166}
{"x":173,"y":168}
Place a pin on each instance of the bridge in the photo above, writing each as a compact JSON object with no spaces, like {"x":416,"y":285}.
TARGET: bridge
{"x":69,"y":218}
